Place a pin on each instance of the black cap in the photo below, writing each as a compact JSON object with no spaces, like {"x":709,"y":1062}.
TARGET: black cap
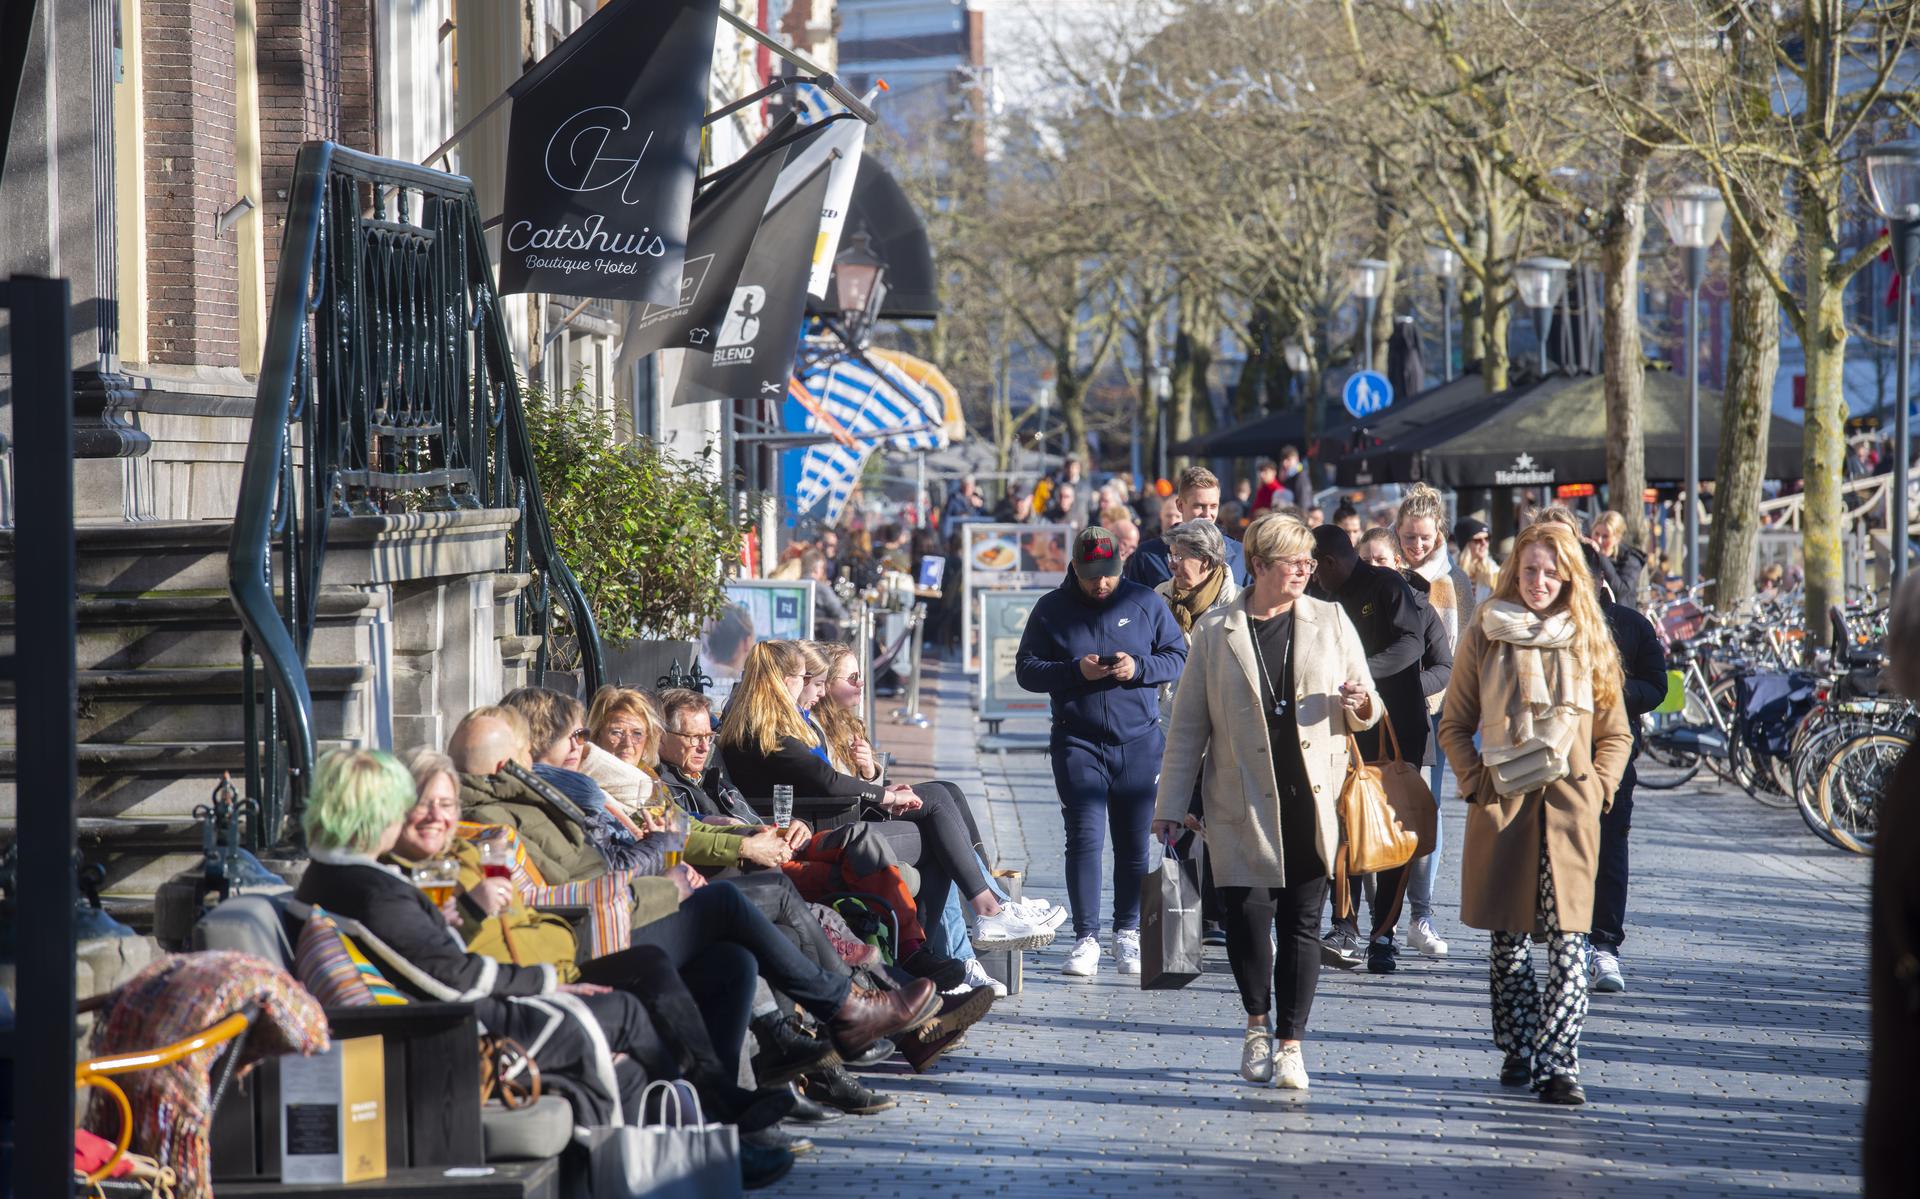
{"x":1466,"y":529}
{"x":1096,"y":554}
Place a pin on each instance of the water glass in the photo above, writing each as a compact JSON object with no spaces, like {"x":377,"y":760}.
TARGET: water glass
{"x":782,"y":806}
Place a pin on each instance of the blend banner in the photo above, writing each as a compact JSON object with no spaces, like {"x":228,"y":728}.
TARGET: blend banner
{"x":754,"y":343}
{"x":726,"y":218}
{"x":603,"y":154}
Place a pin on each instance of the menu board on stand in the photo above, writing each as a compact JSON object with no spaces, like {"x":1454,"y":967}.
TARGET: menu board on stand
{"x":1003,"y":620}
{"x":1006,"y":558}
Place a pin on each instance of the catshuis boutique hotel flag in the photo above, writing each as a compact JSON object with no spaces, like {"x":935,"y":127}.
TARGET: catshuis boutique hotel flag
{"x":752,"y":347}
{"x":603,"y":154}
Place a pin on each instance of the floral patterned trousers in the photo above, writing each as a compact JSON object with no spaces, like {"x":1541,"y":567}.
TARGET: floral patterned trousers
{"x":1544,"y":1028}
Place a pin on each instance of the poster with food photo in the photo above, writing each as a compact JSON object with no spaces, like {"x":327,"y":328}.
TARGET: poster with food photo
{"x":1007,"y":558}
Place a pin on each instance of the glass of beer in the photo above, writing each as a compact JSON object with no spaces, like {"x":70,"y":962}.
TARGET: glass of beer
{"x":439,"y":878}
{"x":676,"y":835}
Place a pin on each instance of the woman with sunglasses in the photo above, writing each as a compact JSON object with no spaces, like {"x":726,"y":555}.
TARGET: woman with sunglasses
{"x":1269,"y":781}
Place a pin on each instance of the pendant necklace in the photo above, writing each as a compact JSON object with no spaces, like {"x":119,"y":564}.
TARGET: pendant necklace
{"x":1280,"y":702}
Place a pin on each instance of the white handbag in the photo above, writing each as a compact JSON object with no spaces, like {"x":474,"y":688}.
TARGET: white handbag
{"x":671,"y":1159}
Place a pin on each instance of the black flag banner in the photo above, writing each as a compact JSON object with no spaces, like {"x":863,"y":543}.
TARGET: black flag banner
{"x":725,"y":219}
{"x":754,"y":343}
{"x":604,"y":151}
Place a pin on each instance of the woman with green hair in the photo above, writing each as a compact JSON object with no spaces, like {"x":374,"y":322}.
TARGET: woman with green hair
{"x":597,"y":1046}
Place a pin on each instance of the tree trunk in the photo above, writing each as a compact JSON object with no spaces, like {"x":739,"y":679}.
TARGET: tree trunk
{"x":1822,"y":512}
{"x":1146,"y":340}
{"x":1069,"y":388}
{"x":1624,"y":371}
{"x":1192,"y":356}
{"x":1496,"y":311}
{"x":1753,"y":360}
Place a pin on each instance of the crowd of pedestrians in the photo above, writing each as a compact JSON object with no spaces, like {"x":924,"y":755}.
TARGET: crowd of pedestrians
{"x":1215,"y":686}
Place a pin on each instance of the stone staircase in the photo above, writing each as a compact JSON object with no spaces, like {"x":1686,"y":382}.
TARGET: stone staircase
{"x":403,"y":643}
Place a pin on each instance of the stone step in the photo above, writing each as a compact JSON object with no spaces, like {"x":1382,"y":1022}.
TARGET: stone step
{"x":143,"y":780}
{"x":190,"y":704}
{"x":191,"y":556}
{"x":118,"y":633}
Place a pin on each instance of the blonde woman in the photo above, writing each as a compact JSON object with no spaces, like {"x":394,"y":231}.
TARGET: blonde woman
{"x":1418,"y":527}
{"x":1629,"y":561}
{"x":1474,"y":544}
{"x":1273,"y":684}
{"x":767,"y":742}
{"x":1538,"y":679}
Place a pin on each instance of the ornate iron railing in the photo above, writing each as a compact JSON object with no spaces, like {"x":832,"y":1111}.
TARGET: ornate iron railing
{"x":387,"y":385}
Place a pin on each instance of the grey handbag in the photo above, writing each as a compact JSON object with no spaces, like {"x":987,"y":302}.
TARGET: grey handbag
{"x":674,"y":1158}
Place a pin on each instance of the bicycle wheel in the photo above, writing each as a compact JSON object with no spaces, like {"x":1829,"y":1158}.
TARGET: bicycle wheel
{"x":1810,"y":759}
{"x":1662,"y":769}
{"x":1852,"y":784}
{"x":1720,"y":705}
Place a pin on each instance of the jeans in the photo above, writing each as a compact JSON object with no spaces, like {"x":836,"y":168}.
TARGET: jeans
{"x":1426,"y":869}
{"x":1610,"y":882}
{"x":1106,"y":788}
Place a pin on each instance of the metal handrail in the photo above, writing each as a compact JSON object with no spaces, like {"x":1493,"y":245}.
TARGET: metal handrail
{"x":386,"y":349}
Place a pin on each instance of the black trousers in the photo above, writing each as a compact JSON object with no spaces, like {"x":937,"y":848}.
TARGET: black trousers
{"x":1610,"y":883}
{"x":1389,"y":897}
{"x":566,"y":1055}
{"x":1292,"y":915}
{"x":705,"y":941}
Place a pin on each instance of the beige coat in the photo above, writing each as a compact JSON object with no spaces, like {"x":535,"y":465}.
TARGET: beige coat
{"x":1218,"y":734}
{"x":1500,"y":866}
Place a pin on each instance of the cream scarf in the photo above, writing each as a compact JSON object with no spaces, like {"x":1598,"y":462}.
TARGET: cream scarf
{"x":1533,"y":692}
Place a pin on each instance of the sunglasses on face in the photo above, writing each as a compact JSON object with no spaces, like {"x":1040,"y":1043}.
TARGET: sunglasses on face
{"x":851,"y":680}
{"x":578,"y":736}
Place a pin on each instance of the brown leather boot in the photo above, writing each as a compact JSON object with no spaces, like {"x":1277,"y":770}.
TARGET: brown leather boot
{"x":866,"y":1016}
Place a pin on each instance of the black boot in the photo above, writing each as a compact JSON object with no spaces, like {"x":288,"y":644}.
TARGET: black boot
{"x":761,"y":1167}
{"x":839,"y":1089}
{"x":1563,"y":1090}
{"x":808,"y":1111}
{"x":786,"y":1052}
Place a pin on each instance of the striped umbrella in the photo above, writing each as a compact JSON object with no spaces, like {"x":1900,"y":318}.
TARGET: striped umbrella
{"x":876,"y":404}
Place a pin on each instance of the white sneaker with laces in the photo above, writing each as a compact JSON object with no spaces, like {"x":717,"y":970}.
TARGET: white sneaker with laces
{"x":978,"y":977}
{"x":1126,"y":952}
{"x":1009,"y":928}
{"x":1256,"y":1056}
{"x":1084,"y":961}
{"x":1422,"y":939}
{"x":1290,"y":1069}
{"x":1044,"y":914}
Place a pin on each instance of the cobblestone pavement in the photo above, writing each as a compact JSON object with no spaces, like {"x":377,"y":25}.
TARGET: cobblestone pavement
{"x":1734,"y":1066}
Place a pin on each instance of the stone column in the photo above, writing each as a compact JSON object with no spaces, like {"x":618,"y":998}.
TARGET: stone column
{"x":57,"y":206}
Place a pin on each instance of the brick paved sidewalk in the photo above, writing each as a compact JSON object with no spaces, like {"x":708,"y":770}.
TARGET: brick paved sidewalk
{"x":1734,"y":1066}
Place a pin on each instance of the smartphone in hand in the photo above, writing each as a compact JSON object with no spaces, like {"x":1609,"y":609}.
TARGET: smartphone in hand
{"x":1108,"y":659}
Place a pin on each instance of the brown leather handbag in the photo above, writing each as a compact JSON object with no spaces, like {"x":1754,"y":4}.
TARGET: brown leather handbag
{"x":1372,"y":836}
{"x":1407,"y":792}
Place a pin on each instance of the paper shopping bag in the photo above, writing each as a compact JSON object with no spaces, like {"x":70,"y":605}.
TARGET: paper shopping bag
{"x":1170,"y":925}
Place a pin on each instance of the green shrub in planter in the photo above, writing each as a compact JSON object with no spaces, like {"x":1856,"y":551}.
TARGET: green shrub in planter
{"x":645,"y":531}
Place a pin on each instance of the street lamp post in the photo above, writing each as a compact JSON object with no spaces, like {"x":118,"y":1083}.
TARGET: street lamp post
{"x":1541,"y":282}
{"x":1445,"y":265}
{"x":1163,"y":391}
{"x":1368,"y":278}
{"x":1893,"y":184}
{"x":1693,"y":217}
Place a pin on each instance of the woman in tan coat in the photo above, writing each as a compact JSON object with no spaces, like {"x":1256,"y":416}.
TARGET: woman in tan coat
{"x":1537,"y":677}
{"x":1273,"y":685}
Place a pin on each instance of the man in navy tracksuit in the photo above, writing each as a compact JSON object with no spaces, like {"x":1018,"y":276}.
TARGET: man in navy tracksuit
{"x":1101,"y":646}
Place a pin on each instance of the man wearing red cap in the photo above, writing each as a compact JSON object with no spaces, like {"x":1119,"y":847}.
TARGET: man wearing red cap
{"x":1101,"y":646}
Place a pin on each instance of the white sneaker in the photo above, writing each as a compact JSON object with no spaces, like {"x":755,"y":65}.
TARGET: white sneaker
{"x":1607,"y":979}
{"x":1422,"y":939}
{"x":1041,"y":913}
{"x":1084,"y":961}
{"x":1126,"y":952}
{"x":1009,"y":928}
{"x":1290,"y":1069}
{"x":1256,"y":1056}
{"x":978,"y":977}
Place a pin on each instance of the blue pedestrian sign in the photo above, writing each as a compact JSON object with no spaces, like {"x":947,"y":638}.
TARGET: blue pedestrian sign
{"x":1367,"y":392}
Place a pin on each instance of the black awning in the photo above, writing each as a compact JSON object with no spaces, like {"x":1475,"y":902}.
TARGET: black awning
{"x":1255,"y":437}
{"x":881,"y":209}
{"x":1554,"y":431}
